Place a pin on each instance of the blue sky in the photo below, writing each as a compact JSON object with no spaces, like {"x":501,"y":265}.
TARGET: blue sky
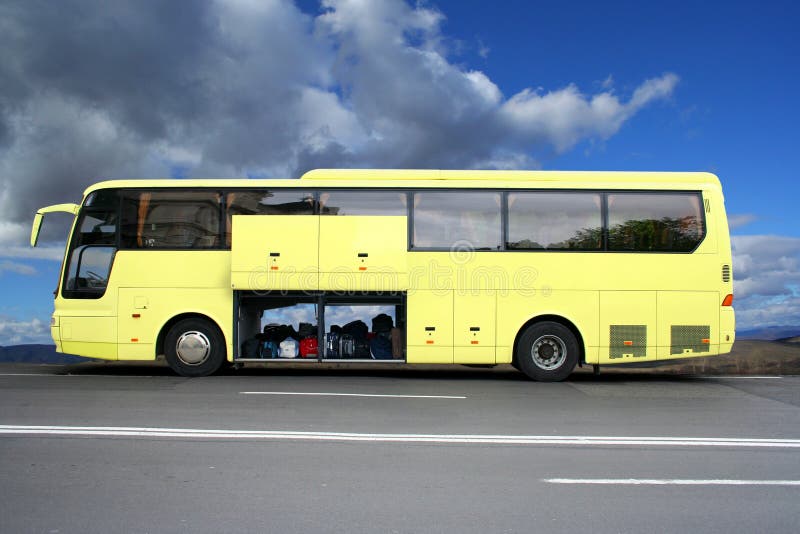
{"x":218,"y":88}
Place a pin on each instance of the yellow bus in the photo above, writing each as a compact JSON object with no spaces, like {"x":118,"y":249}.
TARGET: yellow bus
{"x":541,"y":270}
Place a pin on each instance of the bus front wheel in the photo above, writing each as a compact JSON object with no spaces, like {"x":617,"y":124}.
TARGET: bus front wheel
{"x":547,"y":351}
{"x":194,"y":347}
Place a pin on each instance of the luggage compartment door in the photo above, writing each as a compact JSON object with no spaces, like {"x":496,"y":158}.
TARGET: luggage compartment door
{"x":474,"y":327}
{"x":430,"y":326}
{"x":275,"y":252}
{"x":363,"y":253}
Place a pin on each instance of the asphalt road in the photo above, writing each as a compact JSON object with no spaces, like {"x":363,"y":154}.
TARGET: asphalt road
{"x":111,"y":448}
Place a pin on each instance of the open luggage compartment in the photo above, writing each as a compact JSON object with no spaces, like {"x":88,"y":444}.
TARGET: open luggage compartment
{"x":302,"y":326}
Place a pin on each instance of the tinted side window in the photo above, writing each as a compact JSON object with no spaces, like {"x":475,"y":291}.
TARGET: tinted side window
{"x":263,"y":202}
{"x":443,"y":219}
{"x":655,"y":222}
{"x":555,"y":221}
{"x":171,"y":219}
{"x":362,"y":203}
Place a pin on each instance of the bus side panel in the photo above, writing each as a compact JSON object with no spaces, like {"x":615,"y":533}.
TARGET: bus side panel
{"x":688,"y":324}
{"x":160,"y":284}
{"x":144,"y":311}
{"x":515,"y":308}
{"x":627,"y":326}
{"x":474,"y":327}
{"x":430,"y":326}
{"x":88,"y":327}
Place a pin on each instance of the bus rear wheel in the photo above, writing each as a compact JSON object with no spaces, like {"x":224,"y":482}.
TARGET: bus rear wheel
{"x":547,"y":351}
{"x":194,"y":347}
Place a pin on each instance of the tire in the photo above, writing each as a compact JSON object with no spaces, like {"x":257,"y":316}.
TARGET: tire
{"x":194,"y":347}
{"x":547,"y":352}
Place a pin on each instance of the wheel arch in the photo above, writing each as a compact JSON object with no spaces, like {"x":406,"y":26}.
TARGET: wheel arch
{"x":556,"y":319}
{"x":162,"y":334}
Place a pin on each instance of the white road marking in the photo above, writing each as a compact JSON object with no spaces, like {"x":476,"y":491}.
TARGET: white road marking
{"x":671,"y":482}
{"x":583,"y":441}
{"x":745,"y":377}
{"x":322,"y":394}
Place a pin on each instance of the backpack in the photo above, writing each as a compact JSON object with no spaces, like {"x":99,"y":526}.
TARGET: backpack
{"x":361,"y":349}
{"x":381,"y":348}
{"x":288,"y":348}
{"x":382,"y":324}
{"x":308,"y":347}
{"x":269,"y":349}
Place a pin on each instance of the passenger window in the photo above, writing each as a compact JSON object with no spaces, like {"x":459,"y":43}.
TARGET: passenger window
{"x":546,"y":220}
{"x":363,"y":202}
{"x":263,"y":202}
{"x":457,"y":218}
{"x":171,"y":219}
{"x":655,"y":222}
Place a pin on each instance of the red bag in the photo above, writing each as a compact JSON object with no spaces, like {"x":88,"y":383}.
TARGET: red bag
{"x":308,"y":347}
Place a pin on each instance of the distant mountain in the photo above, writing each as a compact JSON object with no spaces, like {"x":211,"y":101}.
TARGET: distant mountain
{"x":769,"y":333}
{"x":36,"y":354}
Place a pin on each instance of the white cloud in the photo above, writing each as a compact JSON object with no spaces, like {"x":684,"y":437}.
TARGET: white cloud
{"x":766,"y":271}
{"x":740,"y":219}
{"x":15,"y":267}
{"x":16,"y":332}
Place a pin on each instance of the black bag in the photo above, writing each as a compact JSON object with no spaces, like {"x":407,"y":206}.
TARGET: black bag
{"x":361,"y":349}
{"x":250,"y":348}
{"x":382,"y":324}
{"x":272,"y":332}
{"x":307,"y":330}
{"x":381,"y":348}
{"x":357,"y":329}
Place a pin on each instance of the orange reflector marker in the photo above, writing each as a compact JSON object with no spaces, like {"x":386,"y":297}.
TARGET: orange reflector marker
{"x":474,"y":342}
{"x":728,"y":300}
{"x":134,"y":340}
{"x":136,"y":315}
{"x":627,"y":343}
{"x":706,"y":341}
{"x":274,"y":267}
{"x":362,"y":268}
{"x":429,"y":341}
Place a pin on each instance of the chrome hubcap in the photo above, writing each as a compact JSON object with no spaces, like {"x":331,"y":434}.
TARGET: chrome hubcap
{"x":193,"y":348}
{"x":549,"y":352}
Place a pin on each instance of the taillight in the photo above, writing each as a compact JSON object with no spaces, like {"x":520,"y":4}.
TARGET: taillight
{"x":728,"y":300}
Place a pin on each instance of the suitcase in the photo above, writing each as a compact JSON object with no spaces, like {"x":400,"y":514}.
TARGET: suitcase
{"x":346,"y":346}
{"x":332,"y":345}
{"x":309,"y":347}
{"x":396,"y":336}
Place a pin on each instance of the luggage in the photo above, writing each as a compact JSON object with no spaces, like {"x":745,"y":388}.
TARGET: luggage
{"x":288,"y":348}
{"x":250,"y":348}
{"x":346,"y":346}
{"x":396,"y":336}
{"x":309,"y":347}
{"x":356,"y":329}
{"x":382,"y":324}
{"x":269,"y":349}
{"x":332,"y":344}
{"x":380,"y":348}
{"x":361,"y":349}
{"x":307,"y":330}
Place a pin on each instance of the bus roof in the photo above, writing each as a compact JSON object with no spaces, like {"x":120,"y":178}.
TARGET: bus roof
{"x":401,"y":178}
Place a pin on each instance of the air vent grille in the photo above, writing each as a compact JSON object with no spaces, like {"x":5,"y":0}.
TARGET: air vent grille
{"x":689,"y":339}
{"x":726,"y":273}
{"x":627,"y":340}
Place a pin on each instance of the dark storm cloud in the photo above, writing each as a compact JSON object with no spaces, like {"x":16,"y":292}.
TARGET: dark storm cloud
{"x":92,"y":89}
